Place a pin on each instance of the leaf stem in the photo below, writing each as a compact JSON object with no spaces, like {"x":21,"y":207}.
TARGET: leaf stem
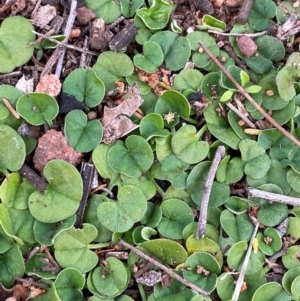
{"x":164,"y":268}
{"x":240,"y":280}
{"x":98,"y":246}
{"x":251,"y":100}
{"x":190,"y":120}
{"x":273,"y":197}
{"x":235,"y":34}
{"x":201,"y":131}
{"x":206,"y":191}
{"x":142,"y":291}
{"x":158,"y":188}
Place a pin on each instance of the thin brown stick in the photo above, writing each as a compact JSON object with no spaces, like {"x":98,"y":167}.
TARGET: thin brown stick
{"x":69,"y":25}
{"x":240,"y":280}
{"x":240,"y":114}
{"x":87,"y":174}
{"x":83,"y":50}
{"x":207,"y":189}
{"x":51,"y":259}
{"x":244,"y":11}
{"x":236,"y":34}
{"x":273,"y":197}
{"x":10,"y":107}
{"x":11,"y":74}
{"x":164,"y":268}
{"x":37,"y":5}
{"x":33,"y":177}
{"x":251,"y":100}
{"x":31,"y":282}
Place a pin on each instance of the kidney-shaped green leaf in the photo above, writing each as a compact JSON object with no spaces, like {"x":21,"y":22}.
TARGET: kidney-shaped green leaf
{"x":176,"y":49}
{"x":187,"y":147}
{"x":152,"y":125}
{"x":269,"y":241}
{"x":15,"y":191}
{"x":236,"y":258}
{"x":289,"y":277}
{"x":37,"y":108}
{"x":237,"y":227}
{"x":157,"y":15}
{"x":11,"y":266}
{"x":261,"y":14}
{"x":173,"y":170}
{"x":17,"y":224}
{"x":256,"y":161}
{"x":113,"y":66}
{"x":12,"y":94}
{"x":272,"y":214}
{"x":83,"y":135}
{"x":202,"y":269}
{"x":132,"y":159}
{"x":271,"y":291}
{"x":176,"y":215}
{"x":12,"y":149}
{"x":72,"y":248}
{"x":85,"y":86}
{"x":219,"y":127}
{"x":68,"y":284}
{"x":15,"y":36}
{"x":151,"y":58}
{"x":62,"y":196}
{"x":121,"y":215}
{"x":44,"y":233}
{"x":111,"y":278}
{"x":168,"y":251}
{"x":174,"y":102}
{"x":108,"y":10}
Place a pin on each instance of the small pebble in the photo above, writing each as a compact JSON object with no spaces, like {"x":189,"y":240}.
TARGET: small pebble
{"x":247,"y":46}
{"x":91,"y":115}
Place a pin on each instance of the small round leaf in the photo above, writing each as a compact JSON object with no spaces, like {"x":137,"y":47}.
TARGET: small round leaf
{"x":132,"y":159}
{"x":121,"y":215}
{"x":12,"y":149}
{"x":151,"y":58}
{"x":82,"y":135}
{"x":72,"y":248}
{"x":37,"y":108}
{"x":85,"y":86}
{"x":62,"y":196}
{"x":187,"y":147}
{"x":176,"y":215}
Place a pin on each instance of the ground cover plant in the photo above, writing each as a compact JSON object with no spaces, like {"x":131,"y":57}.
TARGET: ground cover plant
{"x":149,"y":150}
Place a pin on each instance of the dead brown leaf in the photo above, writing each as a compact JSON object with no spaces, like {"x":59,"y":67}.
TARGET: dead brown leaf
{"x":115,"y":120}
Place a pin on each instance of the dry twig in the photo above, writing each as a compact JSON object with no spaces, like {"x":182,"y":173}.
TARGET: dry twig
{"x":273,"y":197}
{"x":69,"y":25}
{"x":240,"y":280}
{"x":244,"y":11}
{"x":207,"y":189}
